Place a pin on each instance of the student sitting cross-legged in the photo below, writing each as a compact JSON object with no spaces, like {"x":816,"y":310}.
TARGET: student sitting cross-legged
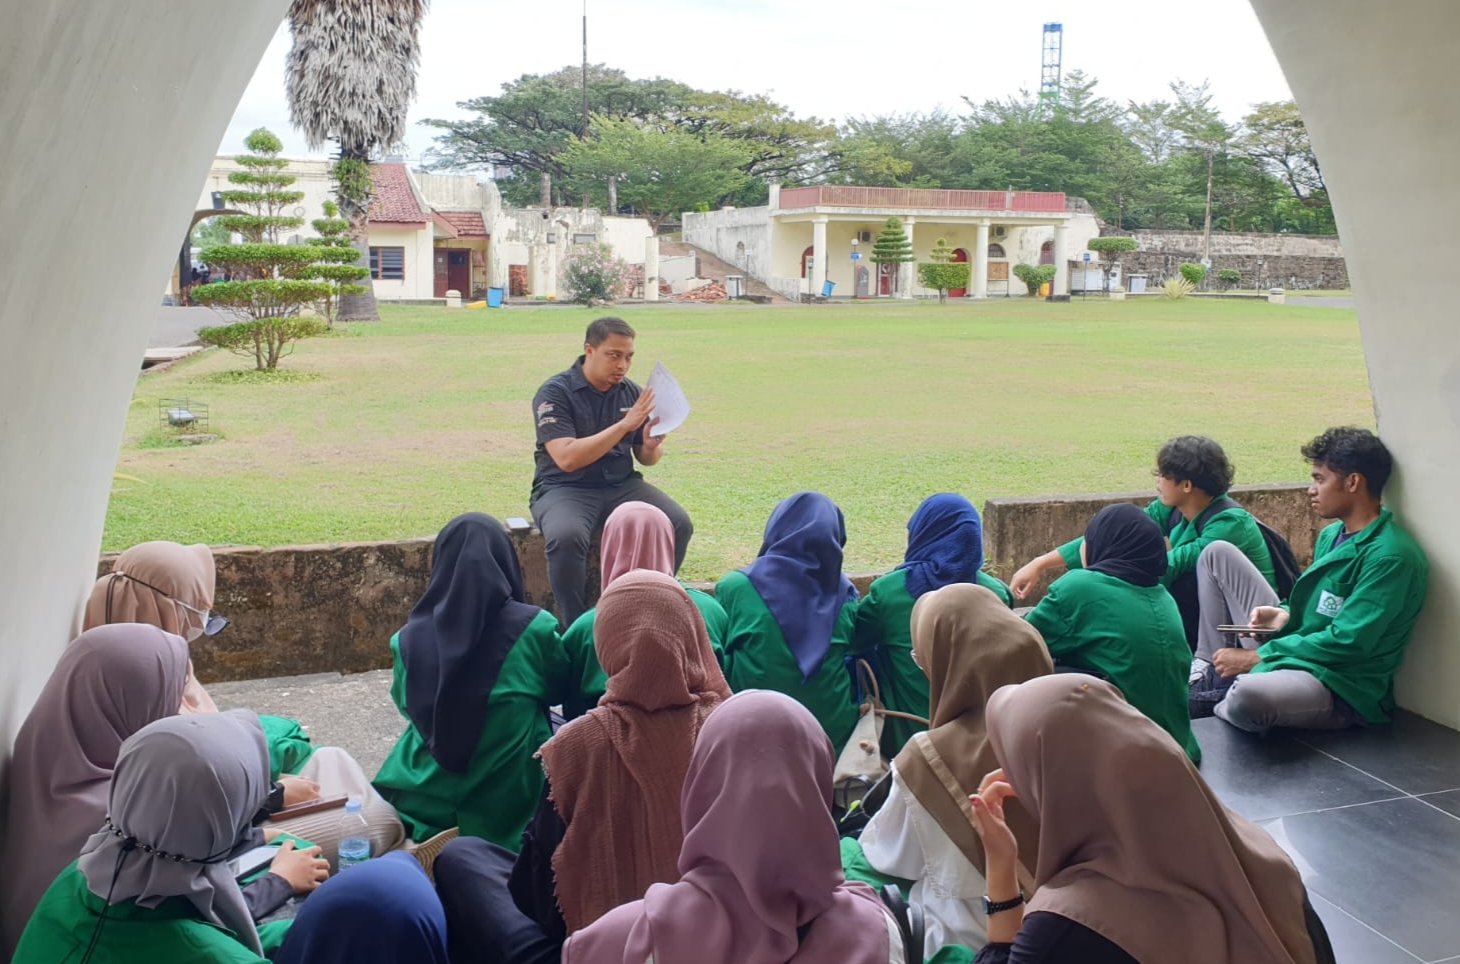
{"x":1138,"y":859}
{"x":1113,"y":618}
{"x":637,"y":535}
{"x":944,"y":547}
{"x":1329,"y":658}
{"x":969,"y":643}
{"x":790,"y":613}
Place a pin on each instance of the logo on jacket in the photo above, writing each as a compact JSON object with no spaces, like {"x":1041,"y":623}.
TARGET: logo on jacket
{"x":1329,"y":605}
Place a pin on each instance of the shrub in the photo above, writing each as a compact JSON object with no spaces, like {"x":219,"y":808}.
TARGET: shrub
{"x":1230,"y":275}
{"x":943,"y":273}
{"x":1177,"y":288}
{"x":1195,"y":273}
{"x":266,"y":340}
{"x":1034,"y":276}
{"x":593,"y":275}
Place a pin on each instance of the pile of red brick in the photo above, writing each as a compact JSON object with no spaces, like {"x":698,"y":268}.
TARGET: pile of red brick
{"x":714,"y":291}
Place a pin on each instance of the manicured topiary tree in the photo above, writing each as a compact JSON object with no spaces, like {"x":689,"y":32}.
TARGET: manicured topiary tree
{"x":1231,"y":277}
{"x":943,"y":273}
{"x":1034,"y":276}
{"x":1194,"y":273}
{"x":265,"y":288}
{"x":892,"y":247}
{"x":338,"y":265}
{"x":1109,"y":250}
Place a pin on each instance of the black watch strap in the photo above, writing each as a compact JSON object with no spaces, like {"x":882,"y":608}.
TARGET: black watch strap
{"x":992,"y":907}
{"x":275,"y":802}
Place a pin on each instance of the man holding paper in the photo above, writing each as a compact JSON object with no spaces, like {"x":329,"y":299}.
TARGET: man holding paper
{"x":592,"y":423}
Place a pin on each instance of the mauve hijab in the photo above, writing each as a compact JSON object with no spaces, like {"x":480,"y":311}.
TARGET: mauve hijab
{"x":798,"y":575}
{"x":1122,"y":541}
{"x":760,"y":858}
{"x":185,"y":787}
{"x":109,"y":683}
{"x":636,"y":535}
{"x":1132,"y":842}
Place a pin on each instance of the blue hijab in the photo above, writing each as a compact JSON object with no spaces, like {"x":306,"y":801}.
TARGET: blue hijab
{"x":944,"y":544}
{"x":798,"y":574}
{"x":383,"y":910}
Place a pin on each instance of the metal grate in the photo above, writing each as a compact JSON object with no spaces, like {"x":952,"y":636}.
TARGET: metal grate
{"x":182,"y":413}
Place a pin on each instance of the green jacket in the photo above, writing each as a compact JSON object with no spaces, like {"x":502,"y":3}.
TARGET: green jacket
{"x":289,"y":746}
{"x":1131,"y":634}
{"x":498,"y":794}
{"x":883,"y":634}
{"x":588,"y":679}
{"x":1352,"y":613}
{"x":171,"y":933}
{"x":1233,"y":524}
{"x":758,"y":658}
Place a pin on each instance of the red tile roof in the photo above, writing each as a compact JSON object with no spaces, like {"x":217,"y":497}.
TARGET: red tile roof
{"x":395,"y":202}
{"x":464,"y":224}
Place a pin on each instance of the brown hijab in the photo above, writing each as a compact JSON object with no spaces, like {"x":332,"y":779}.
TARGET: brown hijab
{"x":1133,"y":843}
{"x":969,"y":644}
{"x":146,"y":585}
{"x":617,"y":772}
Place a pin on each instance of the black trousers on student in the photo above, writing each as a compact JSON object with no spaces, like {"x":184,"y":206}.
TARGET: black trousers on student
{"x":569,"y":515}
{"x":483,"y":924}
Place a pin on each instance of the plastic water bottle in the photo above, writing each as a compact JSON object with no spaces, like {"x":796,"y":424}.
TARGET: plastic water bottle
{"x":354,"y":836}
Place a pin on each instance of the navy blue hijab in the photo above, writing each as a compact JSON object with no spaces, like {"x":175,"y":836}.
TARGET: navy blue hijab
{"x":382,"y":912}
{"x":1122,"y":541}
{"x":944,"y":544}
{"x":798,"y":574}
{"x":458,"y":635}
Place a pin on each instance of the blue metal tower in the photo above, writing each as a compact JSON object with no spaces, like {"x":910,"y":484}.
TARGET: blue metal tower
{"x":1049,"y":76}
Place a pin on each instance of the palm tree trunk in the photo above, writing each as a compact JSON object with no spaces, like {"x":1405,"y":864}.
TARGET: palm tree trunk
{"x":360,"y":306}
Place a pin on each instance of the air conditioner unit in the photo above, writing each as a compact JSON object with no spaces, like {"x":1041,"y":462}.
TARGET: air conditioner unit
{"x":1000,"y":230}
{"x":864,"y":237}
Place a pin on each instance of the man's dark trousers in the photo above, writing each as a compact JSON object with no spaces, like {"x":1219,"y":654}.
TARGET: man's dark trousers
{"x":569,"y":515}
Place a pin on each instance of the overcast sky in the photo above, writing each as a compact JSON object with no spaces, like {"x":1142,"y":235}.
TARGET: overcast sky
{"x":829,"y":59}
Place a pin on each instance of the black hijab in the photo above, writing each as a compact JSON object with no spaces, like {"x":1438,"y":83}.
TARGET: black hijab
{"x":459,"y":633}
{"x":1122,"y":541}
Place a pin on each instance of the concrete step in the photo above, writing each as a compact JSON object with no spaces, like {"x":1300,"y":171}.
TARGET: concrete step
{"x":715,"y":269}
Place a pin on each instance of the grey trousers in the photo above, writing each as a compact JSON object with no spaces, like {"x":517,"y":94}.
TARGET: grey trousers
{"x":1228,"y":588}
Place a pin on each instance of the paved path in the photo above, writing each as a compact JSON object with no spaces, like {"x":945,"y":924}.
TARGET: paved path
{"x":177,"y":327}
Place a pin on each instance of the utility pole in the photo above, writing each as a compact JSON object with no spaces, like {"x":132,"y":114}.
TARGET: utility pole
{"x":584,"y":131}
{"x":1206,"y":238}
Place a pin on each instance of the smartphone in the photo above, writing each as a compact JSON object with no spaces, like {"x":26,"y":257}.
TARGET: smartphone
{"x":1248,"y":630}
{"x":311,"y":806}
{"x":247,"y":863}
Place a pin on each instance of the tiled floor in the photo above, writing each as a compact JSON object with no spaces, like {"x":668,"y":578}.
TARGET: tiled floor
{"x":1371,"y":818}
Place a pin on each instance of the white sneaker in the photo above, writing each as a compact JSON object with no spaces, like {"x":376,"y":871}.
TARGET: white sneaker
{"x":1198,"y":669}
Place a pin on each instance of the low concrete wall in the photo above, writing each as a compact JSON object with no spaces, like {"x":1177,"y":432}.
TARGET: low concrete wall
{"x":332,"y":608}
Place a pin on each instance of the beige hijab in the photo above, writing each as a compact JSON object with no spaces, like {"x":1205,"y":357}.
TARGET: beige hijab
{"x":1133,"y":843}
{"x":146,"y":585}
{"x":969,"y":644}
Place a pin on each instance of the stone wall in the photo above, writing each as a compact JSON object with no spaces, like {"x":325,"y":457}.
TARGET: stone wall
{"x":1293,"y":261}
{"x":326,"y":609}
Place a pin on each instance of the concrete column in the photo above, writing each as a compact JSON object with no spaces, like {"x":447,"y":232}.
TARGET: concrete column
{"x":550,"y":272}
{"x":907,"y":273}
{"x":1061,"y":284}
{"x":774,"y":201}
{"x":818,"y":255}
{"x":651,"y":269}
{"x":980,"y":264}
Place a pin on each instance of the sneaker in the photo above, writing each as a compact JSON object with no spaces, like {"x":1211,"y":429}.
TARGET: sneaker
{"x":1205,"y":692}
{"x":1198,"y":669}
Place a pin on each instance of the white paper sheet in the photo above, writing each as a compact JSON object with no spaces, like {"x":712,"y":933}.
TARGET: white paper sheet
{"x":671,"y":408}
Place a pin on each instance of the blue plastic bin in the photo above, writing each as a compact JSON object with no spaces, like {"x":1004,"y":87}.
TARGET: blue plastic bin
{"x":494,"y":297}
{"x":826,"y":287}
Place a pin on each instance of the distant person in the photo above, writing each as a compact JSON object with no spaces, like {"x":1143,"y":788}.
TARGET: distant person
{"x":1111,"y":618}
{"x":1192,"y":474}
{"x":790,"y":614}
{"x":944,"y":548}
{"x":592,"y":424}
{"x":1341,"y":637}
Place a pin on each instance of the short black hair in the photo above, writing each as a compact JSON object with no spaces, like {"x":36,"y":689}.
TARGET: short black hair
{"x":600,"y":329}
{"x":1198,"y":460}
{"x":1346,"y":450}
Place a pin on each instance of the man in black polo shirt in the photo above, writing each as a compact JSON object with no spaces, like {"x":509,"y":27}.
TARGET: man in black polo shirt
{"x":592,"y":422}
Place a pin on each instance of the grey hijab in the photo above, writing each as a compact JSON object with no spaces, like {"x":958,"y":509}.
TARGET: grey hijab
{"x":183,"y":797}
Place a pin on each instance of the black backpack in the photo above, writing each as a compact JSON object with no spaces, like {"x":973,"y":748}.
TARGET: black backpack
{"x":1284,"y":563}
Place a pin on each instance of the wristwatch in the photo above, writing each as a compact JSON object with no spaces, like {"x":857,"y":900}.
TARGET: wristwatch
{"x":992,"y":907}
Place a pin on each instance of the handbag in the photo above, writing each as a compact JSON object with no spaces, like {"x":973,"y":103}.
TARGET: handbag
{"x":910,"y":922}
{"x":861,"y":764}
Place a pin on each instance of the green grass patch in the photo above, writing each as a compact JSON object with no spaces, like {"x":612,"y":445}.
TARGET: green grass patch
{"x":389,"y":432}
{"x":254,"y":376}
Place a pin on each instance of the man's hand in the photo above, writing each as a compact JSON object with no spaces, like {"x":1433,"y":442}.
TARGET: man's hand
{"x":636,"y":416}
{"x":304,"y":869}
{"x":298,"y":790}
{"x":649,"y":451}
{"x":1026,"y":578}
{"x":1231,"y":662}
{"x":1268,"y":617}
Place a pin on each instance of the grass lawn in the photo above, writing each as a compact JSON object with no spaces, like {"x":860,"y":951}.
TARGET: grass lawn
{"x":390,"y":429}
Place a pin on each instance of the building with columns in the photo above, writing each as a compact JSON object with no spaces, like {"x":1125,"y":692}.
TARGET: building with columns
{"x":807,"y":236}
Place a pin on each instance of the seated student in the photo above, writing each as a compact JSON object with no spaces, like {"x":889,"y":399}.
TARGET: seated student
{"x":944,"y":546}
{"x":754,"y":888}
{"x":970,"y":644}
{"x":1125,"y":874}
{"x":476,"y":669}
{"x":609,"y":823}
{"x":382,"y":912}
{"x":1192,"y":472}
{"x":172,"y":586}
{"x":109,"y":683}
{"x":1341,"y":637}
{"x":153,"y":884}
{"x":637,"y":535}
{"x":1113,"y":619}
{"x":790,"y":613}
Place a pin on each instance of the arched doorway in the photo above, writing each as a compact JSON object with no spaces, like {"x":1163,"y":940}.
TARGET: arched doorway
{"x":808,"y":261}
{"x":740,"y":254}
{"x":1046,"y":253}
{"x":960,"y":256}
{"x":886,"y":274}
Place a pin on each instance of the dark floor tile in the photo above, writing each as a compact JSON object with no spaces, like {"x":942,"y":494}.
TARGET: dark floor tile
{"x":1449,"y":801}
{"x":1272,"y":776}
{"x":1356,"y":943}
{"x":1415,"y":754}
{"x":1391,"y":865}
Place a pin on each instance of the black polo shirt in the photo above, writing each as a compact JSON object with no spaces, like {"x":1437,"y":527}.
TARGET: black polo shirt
{"x":566,"y":406}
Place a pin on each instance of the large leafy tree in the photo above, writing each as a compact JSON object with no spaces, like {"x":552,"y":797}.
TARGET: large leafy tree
{"x":350,"y":77}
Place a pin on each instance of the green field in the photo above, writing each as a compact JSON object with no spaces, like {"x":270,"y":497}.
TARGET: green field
{"x":390,"y":429}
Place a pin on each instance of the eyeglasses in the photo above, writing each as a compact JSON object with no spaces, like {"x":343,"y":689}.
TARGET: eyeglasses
{"x":212,"y":624}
